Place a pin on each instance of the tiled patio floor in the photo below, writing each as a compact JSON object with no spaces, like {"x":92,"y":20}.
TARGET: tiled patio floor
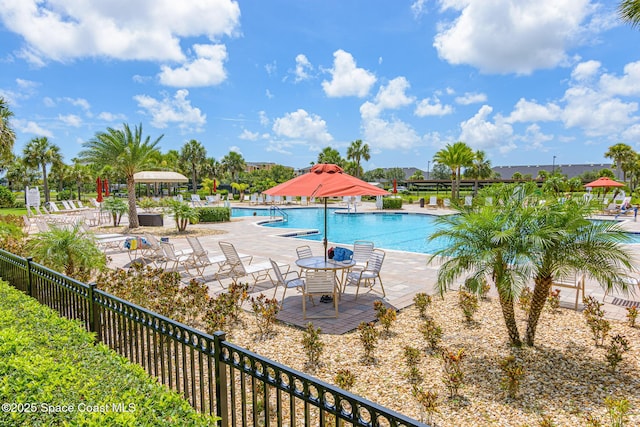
{"x":403,"y":273}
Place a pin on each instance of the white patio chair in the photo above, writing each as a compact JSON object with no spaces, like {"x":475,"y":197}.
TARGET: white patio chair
{"x":304,"y":252}
{"x":201,"y":258}
{"x":303,"y":200}
{"x":196,"y":201}
{"x":433,"y":202}
{"x":288,"y":200}
{"x":281,"y":280}
{"x":446,"y":203}
{"x":320,"y":282}
{"x":369,"y":274}
{"x":53,"y":207}
{"x":253,"y":199}
{"x":234,"y":267}
{"x":175,"y":258}
{"x":379,"y":203}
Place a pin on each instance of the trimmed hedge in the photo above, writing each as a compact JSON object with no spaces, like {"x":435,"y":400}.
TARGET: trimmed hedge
{"x":214,"y":214}
{"x":51,"y":367}
{"x":391,"y":203}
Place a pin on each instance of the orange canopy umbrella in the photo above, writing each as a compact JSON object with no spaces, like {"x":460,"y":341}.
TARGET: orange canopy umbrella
{"x":325,"y":180}
{"x":604,"y":182}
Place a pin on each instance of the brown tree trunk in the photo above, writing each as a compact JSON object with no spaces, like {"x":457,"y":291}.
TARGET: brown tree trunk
{"x":540,"y":295}
{"x":508,"y":312}
{"x":133,"y":211}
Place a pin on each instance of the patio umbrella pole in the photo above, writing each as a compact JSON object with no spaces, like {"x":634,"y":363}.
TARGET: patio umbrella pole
{"x":325,"y":230}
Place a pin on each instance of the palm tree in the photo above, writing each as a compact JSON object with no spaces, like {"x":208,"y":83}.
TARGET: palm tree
{"x":330,"y":155}
{"x":561,"y":239}
{"x":81,"y":174}
{"x":480,"y":168}
{"x":618,"y":153}
{"x":233,"y":164}
{"x":7,"y":135}
{"x":68,"y":250}
{"x":39,"y":152}
{"x":455,"y":157}
{"x":485,"y":244}
{"x":126,"y":152}
{"x":192,"y":158}
{"x":357,"y":151}
{"x":629,"y":12}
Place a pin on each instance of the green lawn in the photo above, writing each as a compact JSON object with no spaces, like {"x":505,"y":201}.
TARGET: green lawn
{"x":52,"y":373}
{"x":13,"y":211}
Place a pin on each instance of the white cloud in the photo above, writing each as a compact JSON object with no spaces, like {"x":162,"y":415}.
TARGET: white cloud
{"x":268,"y":94}
{"x":133,"y":30}
{"x":31,"y":127}
{"x":264,"y":119}
{"x":271,"y":69}
{"x":78,"y":102}
{"x":418,"y":8}
{"x":235,"y":149}
{"x":395,"y":134}
{"x":535,"y":138}
{"x":481,"y":133}
{"x":346,"y":78}
{"x":471,"y":98}
{"x":531,"y":111}
{"x":585,"y":70}
{"x":432,"y":107}
{"x":393,"y":95}
{"x":172,"y":110}
{"x":249,"y":136}
{"x":111,"y":117}
{"x":70,"y":120}
{"x":627,"y":85}
{"x":511,"y":36}
{"x":303,"y":66}
{"x":207,"y":69}
{"x":301,"y":125}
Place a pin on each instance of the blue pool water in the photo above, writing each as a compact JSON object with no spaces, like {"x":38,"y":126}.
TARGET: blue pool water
{"x":405,"y":232}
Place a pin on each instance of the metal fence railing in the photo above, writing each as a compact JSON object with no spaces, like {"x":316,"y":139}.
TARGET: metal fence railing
{"x":215,"y":376}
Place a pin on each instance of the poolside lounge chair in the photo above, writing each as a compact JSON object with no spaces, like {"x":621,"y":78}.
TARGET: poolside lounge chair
{"x":303,"y":200}
{"x":288,"y":200}
{"x":175,"y":258}
{"x":433,"y":202}
{"x":446,"y":203}
{"x":234,"y":267}
{"x":201,"y":258}
{"x":369,"y":274}
{"x":575,"y":281}
{"x":281,"y":280}
{"x":320,"y":282}
{"x":196,"y":201}
{"x":379,"y":202}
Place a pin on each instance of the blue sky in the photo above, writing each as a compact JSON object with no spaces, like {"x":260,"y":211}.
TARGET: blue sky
{"x":278,"y":80}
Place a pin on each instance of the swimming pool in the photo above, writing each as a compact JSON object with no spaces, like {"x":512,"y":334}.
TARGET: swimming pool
{"x":401,"y":231}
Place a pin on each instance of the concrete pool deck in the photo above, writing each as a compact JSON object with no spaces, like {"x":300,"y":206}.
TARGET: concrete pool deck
{"x":403,"y":273}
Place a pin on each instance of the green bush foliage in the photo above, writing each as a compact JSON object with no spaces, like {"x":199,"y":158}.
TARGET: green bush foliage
{"x":7,"y":198}
{"x":64,"y":195}
{"x":47,"y":362}
{"x":389,"y":203}
{"x":214,"y":214}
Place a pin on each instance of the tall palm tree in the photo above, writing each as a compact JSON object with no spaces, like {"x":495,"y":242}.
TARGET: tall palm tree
{"x":7,"y":134}
{"x":192,"y":158}
{"x":39,"y":152}
{"x":358,"y":151}
{"x":81,"y":174}
{"x":455,"y":156}
{"x":480,"y":168}
{"x":126,"y":152}
{"x":233,"y":164}
{"x":561,"y":239}
{"x":629,"y":12}
{"x":618,"y":153}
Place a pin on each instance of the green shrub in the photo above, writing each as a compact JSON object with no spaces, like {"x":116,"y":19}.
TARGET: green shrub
{"x":214,"y":214}
{"x":49,"y":361}
{"x":64,"y":195}
{"x":389,"y":203}
{"x":7,"y":198}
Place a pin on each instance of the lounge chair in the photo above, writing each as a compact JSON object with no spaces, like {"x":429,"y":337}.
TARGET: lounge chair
{"x":575,"y":281}
{"x":369,"y":274}
{"x":212,"y":200}
{"x":234,"y":267}
{"x":196,"y":201}
{"x":433,"y":202}
{"x":446,"y":203}
{"x":201,"y":258}
{"x":175,"y":258}
{"x":320,"y":282}
{"x":303,"y":200}
{"x":281,"y":280}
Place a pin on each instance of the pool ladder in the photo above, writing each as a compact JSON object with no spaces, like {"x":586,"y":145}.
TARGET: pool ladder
{"x":275,"y":211}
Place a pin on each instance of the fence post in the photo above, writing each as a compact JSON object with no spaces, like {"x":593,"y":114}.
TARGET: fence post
{"x":29,"y":291}
{"x":222,"y":409}
{"x":94,"y":313}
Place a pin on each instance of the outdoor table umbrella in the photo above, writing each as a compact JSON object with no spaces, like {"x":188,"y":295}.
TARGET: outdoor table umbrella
{"x":325,"y":180}
{"x":604,"y":182}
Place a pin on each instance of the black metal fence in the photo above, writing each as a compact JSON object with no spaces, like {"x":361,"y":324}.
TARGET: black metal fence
{"x":215,"y":376}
